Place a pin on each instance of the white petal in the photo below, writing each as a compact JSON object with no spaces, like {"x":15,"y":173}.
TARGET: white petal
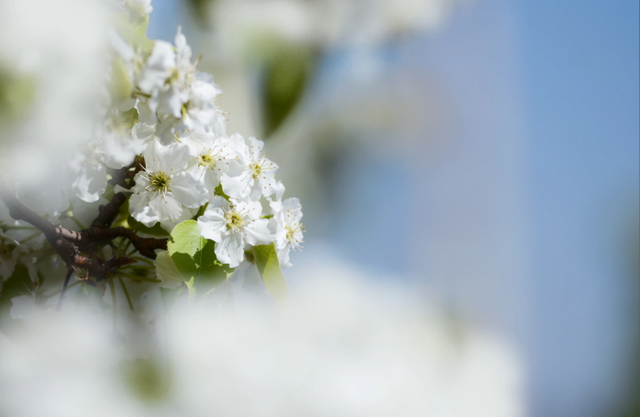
{"x":166,"y":207}
{"x":255,"y":147}
{"x":189,"y":190}
{"x":212,"y":224}
{"x":158,"y":67}
{"x":257,"y":233}
{"x":237,"y":143}
{"x":238,"y":186}
{"x":143,"y":214}
{"x":91,"y":183}
{"x":230,"y":249}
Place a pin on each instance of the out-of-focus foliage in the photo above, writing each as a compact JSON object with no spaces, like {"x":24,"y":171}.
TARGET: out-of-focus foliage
{"x":286,"y":75}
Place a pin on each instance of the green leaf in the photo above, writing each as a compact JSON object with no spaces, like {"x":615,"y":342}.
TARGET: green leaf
{"x":195,"y":258}
{"x":167,"y":271}
{"x":18,"y":284}
{"x":133,"y":29}
{"x":266,"y":259}
{"x":185,"y":239}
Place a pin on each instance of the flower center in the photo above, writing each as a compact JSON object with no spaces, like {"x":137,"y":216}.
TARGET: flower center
{"x":291,"y":231}
{"x":207,"y":161}
{"x":256,"y":169}
{"x":235,"y":221}
{"x":160,"y":181}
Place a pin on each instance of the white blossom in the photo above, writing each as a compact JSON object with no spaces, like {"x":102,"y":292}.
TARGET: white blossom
{"x":158,"y":67}
{"x":211,"y":160}
{"x":288,"y":229}
{"x":232,"y":225}
{"x":164,"y":186}
{"x":254,"y":174}
{"x":275,"y":200}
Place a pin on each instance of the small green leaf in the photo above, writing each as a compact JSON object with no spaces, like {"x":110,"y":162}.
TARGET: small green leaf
{"x":185,"y":238}
{"x":195,"y":258}
{"x":133,"y":29}
{"x":167,"y":271}
{"x":120,"y":81}
{"x":268,"y":265}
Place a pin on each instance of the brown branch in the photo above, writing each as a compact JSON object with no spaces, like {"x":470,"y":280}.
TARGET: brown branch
{"x":64,"y":289}
{"x":68,"y":243}
{"x":55,"y":236}
{"x":124,"y":176}
{"x":109,"y":212}
{"x":94,"y":236}
{"x":99,"y":233}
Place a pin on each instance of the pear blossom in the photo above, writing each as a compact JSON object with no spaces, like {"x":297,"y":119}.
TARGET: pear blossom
{"x":275,"y":200}
{"x":288,"y":229}
{"x":212,"y":159}
{"x":120,"y":146}
{"x":253,"y":174}
{"x":164,"y":186}
{"x":232,"y":225}
{"x":150,"y":105}
{"x":177,"y":97}
{"x":158,"y":68}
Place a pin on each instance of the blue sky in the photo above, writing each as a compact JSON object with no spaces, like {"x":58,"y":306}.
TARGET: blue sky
{"x":579,"y":63}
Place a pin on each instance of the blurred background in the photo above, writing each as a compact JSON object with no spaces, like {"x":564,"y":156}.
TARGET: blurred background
{"x":485,"y":149}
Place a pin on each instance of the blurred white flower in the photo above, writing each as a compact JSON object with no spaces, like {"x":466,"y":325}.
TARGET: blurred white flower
{"x":246,"y":28}
{"x":346,"y":345}
{"x":91,"y":176}
{"x":52,"y":68}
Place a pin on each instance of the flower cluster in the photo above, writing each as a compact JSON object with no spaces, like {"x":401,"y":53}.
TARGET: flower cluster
{"x":191,"y":167}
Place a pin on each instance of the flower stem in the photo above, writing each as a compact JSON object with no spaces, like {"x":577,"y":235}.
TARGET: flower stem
{"x":113,"y":301}
{"x":139,"y":278}
{"x":126,"y":293}
{"x":28,"y":238}
{"x":75,"y":220}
